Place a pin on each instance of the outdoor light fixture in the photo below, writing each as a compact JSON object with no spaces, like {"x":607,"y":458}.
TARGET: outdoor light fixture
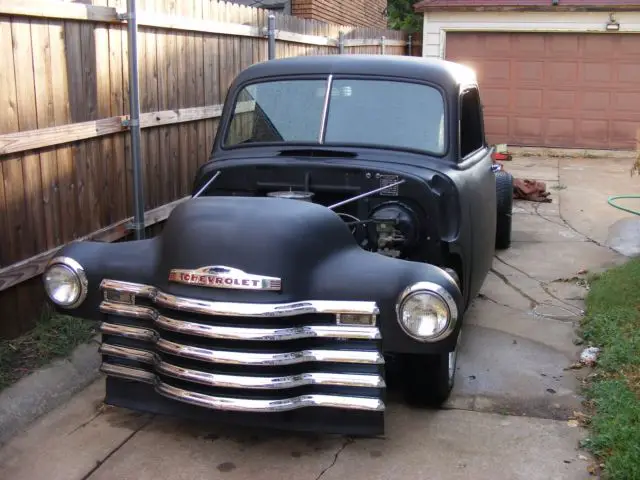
{"x":612,"y":25}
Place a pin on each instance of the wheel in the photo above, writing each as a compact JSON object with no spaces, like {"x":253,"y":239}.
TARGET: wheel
{"x":504,"y":200}
{"x":428,"y":379}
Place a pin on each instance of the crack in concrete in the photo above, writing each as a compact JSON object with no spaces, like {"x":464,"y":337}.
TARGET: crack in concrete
{"x":566,"y":223}
{"x":532,"y":311}
{"x":84,"y":424}
{"x":99,"y":463}
{"x":347,"y":441}
{"x":514,"y":408}
{"x":542,"y":284}
{"x":484,"y":296}
{"x":507,"y":282}
{"x":562,"y":223}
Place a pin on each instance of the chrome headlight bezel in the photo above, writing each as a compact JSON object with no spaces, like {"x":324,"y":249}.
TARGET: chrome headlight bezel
{"x":79,"y":275}
{"x":438,"y":292}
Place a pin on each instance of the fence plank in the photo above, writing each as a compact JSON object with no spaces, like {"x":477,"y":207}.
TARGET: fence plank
{"x":190,"y":99}
{"x":45,"y":118}
{"x":163,"y":166}
{"x":31,"y":267}
{"x":46,"y":137}
{"x":210,"y":73}
{"x":117,"y":170}
{"x":16,"y":235}
{"x":61,"y":10}
{"x":51,"y":136}
{"x":153,"y":136}
{"x":183,"y":130}
{"x":77,"y":111}
{"x":199,"y":127}
{"x":189,"y":24}
{"x":62,"y":116}
{"x":105,"y":161}
{"x":8,"y":122}
{"x":27,"y":119}
{"x":126,"y":111}
{"x":364,"y":42}
{"x":306,"y":39}
{"x":143,"y":92}
{"x":173,"y":186}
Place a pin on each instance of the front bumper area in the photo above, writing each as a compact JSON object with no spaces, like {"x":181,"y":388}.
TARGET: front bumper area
{"x":288,"y":366}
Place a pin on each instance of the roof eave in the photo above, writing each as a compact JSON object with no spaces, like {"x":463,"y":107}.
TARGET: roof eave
{"x":524,"y":8}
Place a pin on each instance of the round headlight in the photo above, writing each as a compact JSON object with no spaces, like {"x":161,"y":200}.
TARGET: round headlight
{"x":65,"y":283}
{"x":427,"y":312}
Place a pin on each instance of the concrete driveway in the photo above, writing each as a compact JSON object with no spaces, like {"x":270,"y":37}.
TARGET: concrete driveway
{"x":507,"y":417}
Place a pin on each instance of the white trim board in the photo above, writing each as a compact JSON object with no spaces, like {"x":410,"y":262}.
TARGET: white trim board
{"x":437,"y":24}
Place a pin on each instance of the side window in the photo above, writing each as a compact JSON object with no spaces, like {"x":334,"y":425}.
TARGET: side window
{"x":471,"y":132}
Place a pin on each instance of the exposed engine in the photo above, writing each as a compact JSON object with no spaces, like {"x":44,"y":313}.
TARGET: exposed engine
{"x":379,"y":220}
{"x":395,"y":228}
{"x":390,"y":228}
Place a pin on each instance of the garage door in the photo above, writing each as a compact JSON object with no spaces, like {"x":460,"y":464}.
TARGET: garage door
{"x":555,"y":90}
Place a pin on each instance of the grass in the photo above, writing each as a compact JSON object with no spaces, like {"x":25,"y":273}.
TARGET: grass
{"x":613,"y":323}
{"x":54,"y":336}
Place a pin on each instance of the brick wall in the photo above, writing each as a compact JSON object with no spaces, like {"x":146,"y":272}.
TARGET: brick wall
{"x":359,"y":13}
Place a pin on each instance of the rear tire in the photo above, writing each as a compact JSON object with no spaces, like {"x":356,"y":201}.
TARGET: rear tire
{"x":428,"y":379}
{"x":504,"y":200}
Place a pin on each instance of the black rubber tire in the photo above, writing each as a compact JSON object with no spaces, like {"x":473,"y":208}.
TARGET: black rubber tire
{"x":504,"y":200}
{"x":426,"y":380}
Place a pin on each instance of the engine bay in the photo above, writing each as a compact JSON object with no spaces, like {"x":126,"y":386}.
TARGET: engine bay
{"x":390,"y":228}
{"x":386,"y":213}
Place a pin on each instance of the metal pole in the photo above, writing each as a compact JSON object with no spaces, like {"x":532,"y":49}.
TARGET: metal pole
{"x":382,"y":46}
{"x":134,"y":122}
{"x":364,"y":195}
{"x":271,"y":33}
{"x":341,"y":43}
{"x":410,"y":44}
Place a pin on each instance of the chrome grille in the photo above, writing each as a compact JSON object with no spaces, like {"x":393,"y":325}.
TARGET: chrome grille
{"x":208,"y":354}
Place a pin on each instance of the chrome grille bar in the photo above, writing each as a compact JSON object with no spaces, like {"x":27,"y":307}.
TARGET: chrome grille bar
{"x":136,"y":333}
{"x":243,"y":381}
{"x":274,"y":359}
{"x":243,"y":404}
{"x":241,"y":309}
{"x":241,"y":357}
{"x":271,"y":359}
{"x":240,"y":333}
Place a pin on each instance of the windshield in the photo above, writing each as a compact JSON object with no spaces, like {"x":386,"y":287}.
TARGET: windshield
{"x":360,"y":112}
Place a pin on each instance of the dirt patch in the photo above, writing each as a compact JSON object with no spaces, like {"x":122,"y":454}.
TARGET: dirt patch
{"x":54,"y":336}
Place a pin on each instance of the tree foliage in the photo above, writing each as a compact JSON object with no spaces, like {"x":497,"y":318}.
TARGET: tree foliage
{"x":401,"y":15}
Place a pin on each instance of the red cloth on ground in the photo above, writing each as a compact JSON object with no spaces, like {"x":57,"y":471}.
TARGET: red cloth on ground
{"x":532,"y":190}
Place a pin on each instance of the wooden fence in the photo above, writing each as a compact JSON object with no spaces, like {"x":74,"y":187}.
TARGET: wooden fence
{"x":65,"y":169}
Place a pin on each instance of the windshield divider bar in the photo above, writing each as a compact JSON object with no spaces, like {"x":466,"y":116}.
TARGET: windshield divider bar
{"x":325,"y":110}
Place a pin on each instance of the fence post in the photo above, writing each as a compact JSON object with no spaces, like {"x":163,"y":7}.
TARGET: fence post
{"x":341,"y":43}
{"x":134,"y":122}
{"x":271,"y":34}
{"x":382,"y":45}
{"x":409,"y":45}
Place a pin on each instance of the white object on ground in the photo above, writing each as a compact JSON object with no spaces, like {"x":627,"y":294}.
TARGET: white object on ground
{"x":589,"y":355}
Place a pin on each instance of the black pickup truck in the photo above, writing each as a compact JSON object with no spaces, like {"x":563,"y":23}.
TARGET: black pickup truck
{"x":348,"y":215}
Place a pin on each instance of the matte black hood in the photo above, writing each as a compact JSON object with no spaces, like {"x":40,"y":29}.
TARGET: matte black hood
{"x":273,"y":237}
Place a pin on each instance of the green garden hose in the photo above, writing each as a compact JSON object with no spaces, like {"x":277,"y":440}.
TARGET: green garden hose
{"x":616,"y":197}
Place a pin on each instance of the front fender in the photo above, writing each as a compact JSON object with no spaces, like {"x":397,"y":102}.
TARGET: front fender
{"x":133,"y":261}
{"x":355,"y":274}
